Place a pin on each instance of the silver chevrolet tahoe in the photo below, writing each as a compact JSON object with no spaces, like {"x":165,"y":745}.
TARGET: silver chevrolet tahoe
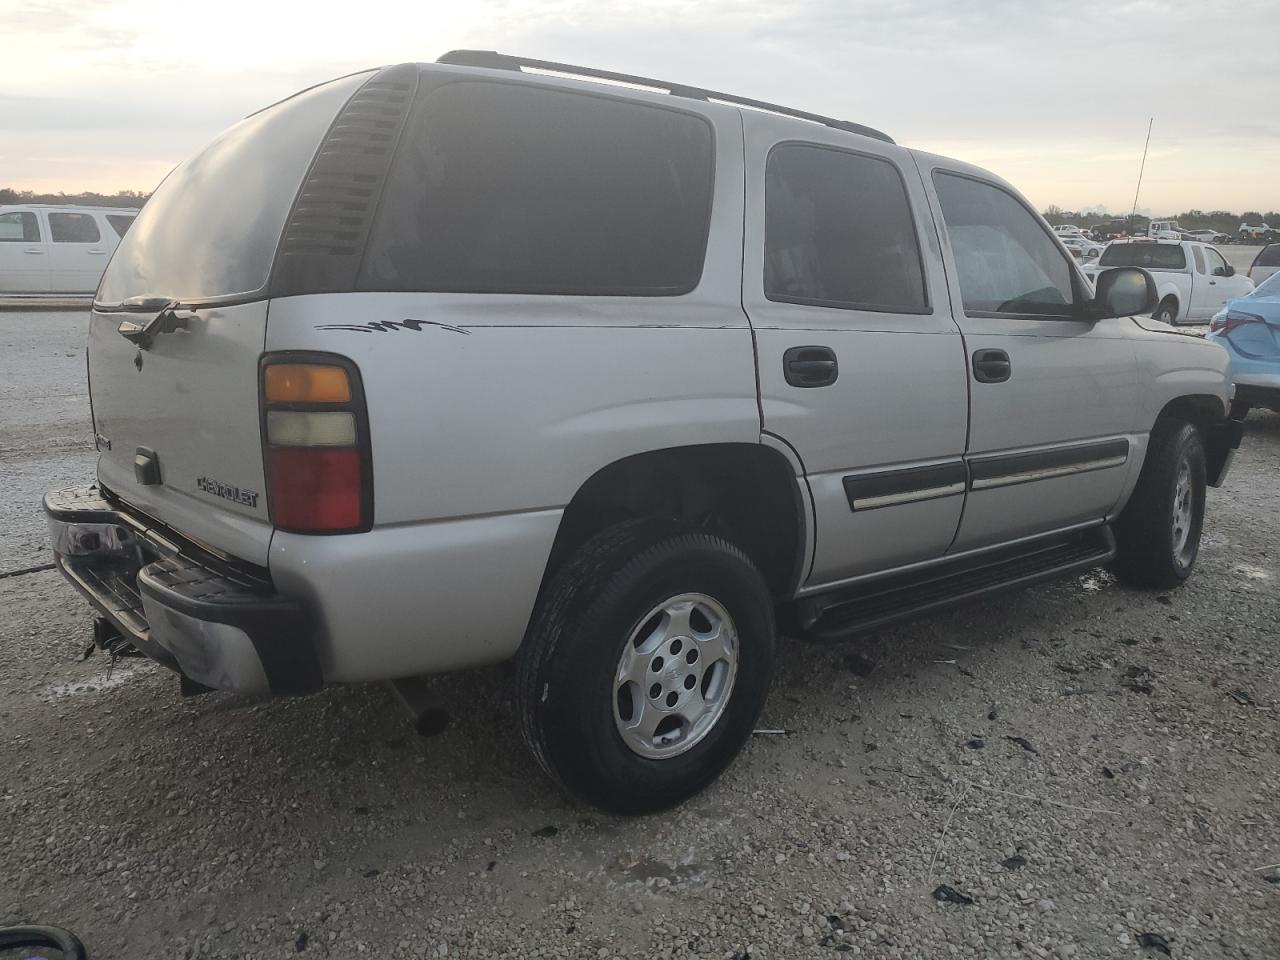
{"x":438,"y":365}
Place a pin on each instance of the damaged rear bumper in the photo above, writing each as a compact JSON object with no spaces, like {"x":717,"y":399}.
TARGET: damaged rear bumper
{"x":217,"y":622}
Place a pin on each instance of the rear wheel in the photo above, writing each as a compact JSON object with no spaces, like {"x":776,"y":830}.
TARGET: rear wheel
{"x":1167,"y":312}
{"x":646,"y":665}
{"x":1158,"y":534}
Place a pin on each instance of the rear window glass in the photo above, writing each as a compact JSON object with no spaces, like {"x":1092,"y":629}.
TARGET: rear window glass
{"x":73,"y":228}
{"x":19,"y":226}
{"x":838,"y":232}
{"x":210,"y":230}
{"x":1269,"y":287}
{"x":1268,"y":256}
{"x":1153,"y":256}
{"x":504,"y":188}
{"x":120,"y":223}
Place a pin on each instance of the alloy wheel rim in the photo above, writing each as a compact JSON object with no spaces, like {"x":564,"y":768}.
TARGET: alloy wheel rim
{"x":675,"y":676}
{"x":1183,"y":512}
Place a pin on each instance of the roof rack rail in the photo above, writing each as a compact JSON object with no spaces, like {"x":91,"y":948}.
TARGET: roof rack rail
{"x":493,"y":60}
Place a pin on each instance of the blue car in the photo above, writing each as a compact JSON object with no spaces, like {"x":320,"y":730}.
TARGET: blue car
{"x":1249,"y":328}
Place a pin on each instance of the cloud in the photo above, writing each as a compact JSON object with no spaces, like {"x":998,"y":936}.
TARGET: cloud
{"x":1056,"y":96}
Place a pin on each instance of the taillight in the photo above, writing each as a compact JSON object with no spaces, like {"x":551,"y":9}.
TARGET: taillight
{"x":315,"y":439}
{"x":1231,"y":319}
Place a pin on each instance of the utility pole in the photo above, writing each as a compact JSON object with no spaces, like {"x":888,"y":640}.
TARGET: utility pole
{"x":1134,"y":212}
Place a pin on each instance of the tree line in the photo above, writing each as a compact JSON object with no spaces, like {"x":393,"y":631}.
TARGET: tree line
{"x":1224,"y":221}
{"x":125,"y":198}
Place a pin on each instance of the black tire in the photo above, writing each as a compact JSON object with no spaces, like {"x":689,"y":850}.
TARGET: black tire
{"x":1167,"y":311}
{"x":565,"y":669}
{"x":1149,"y":552}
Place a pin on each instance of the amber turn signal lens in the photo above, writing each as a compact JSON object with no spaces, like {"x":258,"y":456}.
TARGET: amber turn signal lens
{"x":306,"y":383}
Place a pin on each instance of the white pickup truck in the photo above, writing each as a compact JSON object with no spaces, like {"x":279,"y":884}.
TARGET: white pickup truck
{"x":1193,"y":280}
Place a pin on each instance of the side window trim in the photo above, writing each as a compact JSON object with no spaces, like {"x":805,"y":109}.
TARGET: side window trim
{"x":1079,"y":293}
{"x":927,"y":307}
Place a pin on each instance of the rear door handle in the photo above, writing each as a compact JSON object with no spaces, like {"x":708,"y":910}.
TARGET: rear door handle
{"x":33,"y":250}
{"x":991,"y":366}
{"x":810,"y":366}
{"x":97,"y":251}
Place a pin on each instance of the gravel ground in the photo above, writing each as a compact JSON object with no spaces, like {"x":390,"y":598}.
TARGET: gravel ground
{"x":1095,"y":768}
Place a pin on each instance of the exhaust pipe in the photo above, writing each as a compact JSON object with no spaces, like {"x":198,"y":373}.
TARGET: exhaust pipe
{"x":414,"y":694}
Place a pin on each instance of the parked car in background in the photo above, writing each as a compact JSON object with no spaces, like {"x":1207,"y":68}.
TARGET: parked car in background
{"x":1068,"y":230}
{"x":58,"y":249}
{"x":1193,"y":280}
{"x":1253,"y":232}
{"x":1266,"y":263}
{"x":595,"y":377}
{"x":1248,"y":328}
{"x":1209,"y":236}
{"x":1116,"y":228}
{"x":1082,"y":248}
{"x":1165,"y":230}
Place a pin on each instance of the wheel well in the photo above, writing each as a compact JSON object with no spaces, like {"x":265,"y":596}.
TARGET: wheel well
{"x":1200,"y":410}
{"x":1168,"y":298}
{"x":746,"y":493}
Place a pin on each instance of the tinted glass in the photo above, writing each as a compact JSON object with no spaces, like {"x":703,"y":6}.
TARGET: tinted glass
{"x":211,"y":228}
{"x":19,"y":227}
{"x":838,"y":232}
{"x":1007,"y":262}
{"x":1152,"y":256}
{"x":506,"y":188}
{"x":1268,"y":256}
{"x":119,"y":223}
{"x":73,"y":228}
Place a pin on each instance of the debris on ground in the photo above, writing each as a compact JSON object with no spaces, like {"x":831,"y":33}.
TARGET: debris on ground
{"x":1138,"y":679}
{"x":1024,"y":743}
{"x":1016,"y":862}
{"x":1153,"y":941}
{"x":859,"y":665}
{"x":945,"y":894}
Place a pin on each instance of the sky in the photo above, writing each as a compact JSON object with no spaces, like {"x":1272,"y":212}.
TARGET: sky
{"x":107,"y":95}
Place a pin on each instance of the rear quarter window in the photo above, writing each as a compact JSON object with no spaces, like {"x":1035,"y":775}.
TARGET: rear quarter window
{"x":1152,"y":256}
{"x":210,"y":230}
{"x":510,"y":188}
{"x":120,"y":223}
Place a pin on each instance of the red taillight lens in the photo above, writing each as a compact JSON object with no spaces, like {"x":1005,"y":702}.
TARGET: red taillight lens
{"x":314,"y":489}
{"x":315,"y":438}
{"x":1226,"y":322}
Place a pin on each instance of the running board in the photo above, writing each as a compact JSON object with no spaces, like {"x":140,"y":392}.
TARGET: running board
{"x":882,"y":602}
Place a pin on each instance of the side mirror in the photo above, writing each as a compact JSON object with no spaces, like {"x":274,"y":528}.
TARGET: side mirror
{"x":1123,"y":292}
{"x":1231,"y":271}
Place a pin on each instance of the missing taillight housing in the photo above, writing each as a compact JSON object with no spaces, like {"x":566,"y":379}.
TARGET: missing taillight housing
{"x":315,"y":444}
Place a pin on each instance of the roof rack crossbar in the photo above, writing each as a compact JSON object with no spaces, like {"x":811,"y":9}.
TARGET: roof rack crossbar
{"x":493,"y":60}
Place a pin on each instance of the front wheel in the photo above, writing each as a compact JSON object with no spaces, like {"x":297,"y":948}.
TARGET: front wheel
{"x":1158,"y":534}
{"x":1167,"y":312}
{"x":646,"y":665}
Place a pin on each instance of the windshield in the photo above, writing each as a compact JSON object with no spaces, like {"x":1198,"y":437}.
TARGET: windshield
{"x":1153,"y":256}
{"x":210,"y":230}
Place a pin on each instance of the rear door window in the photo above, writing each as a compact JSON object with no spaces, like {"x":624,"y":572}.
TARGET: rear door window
{"x":119,"y":223}
{"x":1008,"y":264}
{"x":73,"y":228}
{"x":839,"y":233}
{"x":209,"y":232}
{"x":19,"y":226}
{"x":511,"y":188}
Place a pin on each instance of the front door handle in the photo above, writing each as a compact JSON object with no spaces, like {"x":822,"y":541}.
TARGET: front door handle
{"x":991,"y":366}
{"x":810,"y":366}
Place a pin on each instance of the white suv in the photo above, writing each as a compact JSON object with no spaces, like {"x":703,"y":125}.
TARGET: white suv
{"x":438,"y":365}
{"x":58,"y":249}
